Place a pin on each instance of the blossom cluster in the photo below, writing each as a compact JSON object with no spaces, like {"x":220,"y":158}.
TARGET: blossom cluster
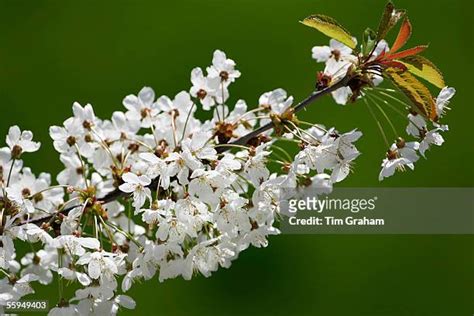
{"x":339,"y":59}
{"x":157,"y":191}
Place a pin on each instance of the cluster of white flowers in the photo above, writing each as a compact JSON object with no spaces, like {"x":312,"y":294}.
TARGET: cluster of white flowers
{"x":403,"y":153}
{"x":156,"y":191}
{"x":339,"y":59}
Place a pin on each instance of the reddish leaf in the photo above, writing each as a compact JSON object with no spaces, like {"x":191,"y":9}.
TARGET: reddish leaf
{"x":403,"y":36}
{"x":390,"y":17}
{"x":394,"y":64}
{"x":408,"y":52}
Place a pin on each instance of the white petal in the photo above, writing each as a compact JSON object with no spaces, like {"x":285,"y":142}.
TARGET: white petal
{"x":94,"y":269}
{"x":89,"y":242}
{"x":144,"y":180}
{"x":130,"y":177}
{"x":125,"y":301}
{"x":197,"y":76}
{"x":341,"y":95}
{"x":321,"y":53}
{"x":83,"y":278}
{"x":131,"y":103}
{"x":13,"y":136}
{"x":127,"y":187}
{"x":149,"y":157}
{"x":147,"y":96}
{"x":66,"y":273}
{"x":343,"y":49}
{"x":164,"y":103}
{"x":126,"y":283}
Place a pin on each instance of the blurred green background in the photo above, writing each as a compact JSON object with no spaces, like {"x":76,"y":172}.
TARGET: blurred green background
{"x":55,"y":52}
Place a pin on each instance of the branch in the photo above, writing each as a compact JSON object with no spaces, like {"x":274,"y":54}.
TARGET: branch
{"x":300,"y":106}
{"x":116,"y":194}
{"x":112,"y":196}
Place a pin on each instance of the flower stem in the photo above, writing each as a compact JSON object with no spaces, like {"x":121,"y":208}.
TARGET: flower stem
{"x":10,"y":172}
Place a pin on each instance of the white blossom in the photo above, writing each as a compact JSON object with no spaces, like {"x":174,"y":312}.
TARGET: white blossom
{"x":138,"y":186}
{"x":142,"y":107}
{"x":21,"y":141}
{"x":205,"y":89}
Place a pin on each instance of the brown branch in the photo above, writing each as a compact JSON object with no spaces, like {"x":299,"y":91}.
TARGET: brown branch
{"x":300,"y":106}
{"x":116,"y":194}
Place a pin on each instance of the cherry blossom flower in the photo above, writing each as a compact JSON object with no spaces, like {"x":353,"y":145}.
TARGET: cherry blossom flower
{"x":138,"y":186}
{"x":432,"y":137}
{"x":75,"y":245}
{"x":205,"y":89}
{"x":99,"y":264}
{"x":71,"y":138}
{"x":85,"y":115}
{"x":20,"y":142}
{"x":418,"y":127}
{"x":40,"y":265}
{"x":14,"y":289}
{"x":442,"y":101}
{"x":74,"y":171}
{"x":400,"y":154}
{"x":223,"y":68}
{"x":389,"y":165}
{"x":142,"y":107}
{"x":338,"y":58}
{"x":336,"y":50}
{"x":274,"y":102}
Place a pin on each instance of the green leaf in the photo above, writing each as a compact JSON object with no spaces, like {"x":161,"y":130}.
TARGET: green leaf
{"x":369,"y":40}
{"x":425,"y":69}
{"x":330,"y":27}
{"x":421,"y":98}
{"x":390,"y":17}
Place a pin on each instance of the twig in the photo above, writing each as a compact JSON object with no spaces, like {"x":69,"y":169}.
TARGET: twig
{"x":300,"y":106}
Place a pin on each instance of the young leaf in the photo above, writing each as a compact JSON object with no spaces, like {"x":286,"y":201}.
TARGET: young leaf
{"x":390,"y":17}
{"x":394,"y":64}
{"x":369,"y":39}
{"x":408,"y":52}
{"x":421,"y":98}
{"x":403,"y":36}
{"x":330,"y":27}
{"x":424,"y":68}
